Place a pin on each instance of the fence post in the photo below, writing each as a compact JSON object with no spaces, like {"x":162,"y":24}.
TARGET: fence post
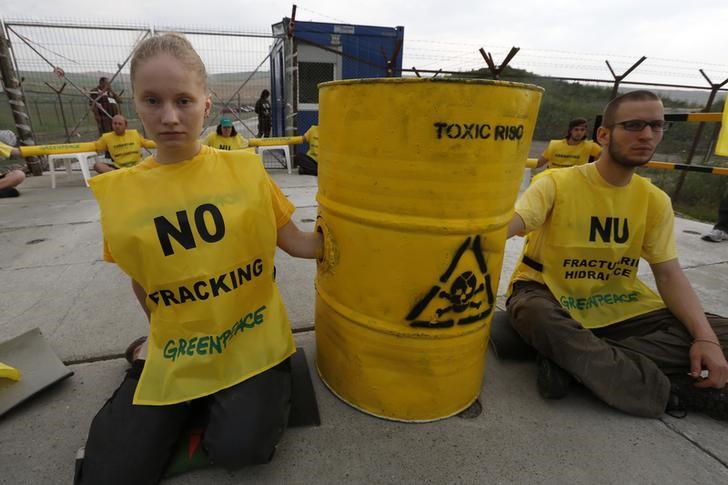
{"x":60,"y":105}
{"x":16,"y":99}
{"x":496,"y":71}
{"x":619,"y":78}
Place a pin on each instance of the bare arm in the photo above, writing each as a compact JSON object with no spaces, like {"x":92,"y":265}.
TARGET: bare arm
{"x":101,"y":146}
{"x":681,"y":300}
{"x":542,"y":161}
{"x":516,"y":227}
{"x":300,"y":244}
{"x":141,"y":296}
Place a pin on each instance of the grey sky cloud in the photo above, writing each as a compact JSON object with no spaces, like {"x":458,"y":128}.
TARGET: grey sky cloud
{"x":556,"y":37}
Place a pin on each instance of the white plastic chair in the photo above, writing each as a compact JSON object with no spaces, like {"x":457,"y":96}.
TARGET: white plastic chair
{"x":82,"y":158}
{"x":286,"y":151}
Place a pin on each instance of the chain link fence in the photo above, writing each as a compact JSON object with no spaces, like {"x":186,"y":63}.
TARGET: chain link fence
{"x":239,"y":69}
{"x":60,"y":106}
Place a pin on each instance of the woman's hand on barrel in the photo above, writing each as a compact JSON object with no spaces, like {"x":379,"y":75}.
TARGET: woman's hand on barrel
{"x":301,"y":244}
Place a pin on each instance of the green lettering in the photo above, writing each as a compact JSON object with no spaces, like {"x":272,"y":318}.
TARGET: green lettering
{"x":259,"y":315}
{"x":191,"y":346}
{"x":225,"y":336}
{"x":182,"y":346}
{"x":215,"y":345}
{"x":247,"y":318}
{"x":170,"y":351}
{"x":202,"y":345}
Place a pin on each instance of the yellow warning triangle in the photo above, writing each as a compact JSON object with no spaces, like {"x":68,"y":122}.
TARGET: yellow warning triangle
{"x":462,"y":295}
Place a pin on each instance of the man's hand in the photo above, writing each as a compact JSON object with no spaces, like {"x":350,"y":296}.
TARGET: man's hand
{"x":708,"y":354}
{"x":680,"y":298}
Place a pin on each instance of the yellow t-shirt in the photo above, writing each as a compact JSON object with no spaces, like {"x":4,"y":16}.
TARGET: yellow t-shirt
{"x":560,"y":154}
{"x":124,"y":149}
{"x":225,"y":142}
{"x":312,"y":136}
{"x":599,"y":238}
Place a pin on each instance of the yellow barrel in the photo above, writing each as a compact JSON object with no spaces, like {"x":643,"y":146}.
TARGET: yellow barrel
{"x":417,"y":182}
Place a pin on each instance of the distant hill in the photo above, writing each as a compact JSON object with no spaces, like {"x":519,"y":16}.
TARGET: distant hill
{"x":224,"y":84}
{"x":693,"y":97}
{"x":564,"y":100}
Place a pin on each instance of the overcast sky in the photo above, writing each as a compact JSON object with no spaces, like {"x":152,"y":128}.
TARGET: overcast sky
{"x":556,"y":37}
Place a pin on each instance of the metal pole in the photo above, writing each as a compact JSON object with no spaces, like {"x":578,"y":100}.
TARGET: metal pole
{"x":60,"y":104}
{"x":16,"y":99}
{"x":618,"y":79}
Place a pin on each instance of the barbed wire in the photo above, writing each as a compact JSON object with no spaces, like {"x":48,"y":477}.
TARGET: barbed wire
{"x":300,"y":7}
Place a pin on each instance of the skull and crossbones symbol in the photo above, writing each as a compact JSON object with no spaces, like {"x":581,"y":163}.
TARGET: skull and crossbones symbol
{"x":462,"y":290}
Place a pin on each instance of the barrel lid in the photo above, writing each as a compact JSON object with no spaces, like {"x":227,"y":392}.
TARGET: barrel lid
{"x":449,"y":80}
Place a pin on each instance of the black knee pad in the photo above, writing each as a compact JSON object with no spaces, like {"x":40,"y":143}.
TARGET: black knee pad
{"x":233,"y":454}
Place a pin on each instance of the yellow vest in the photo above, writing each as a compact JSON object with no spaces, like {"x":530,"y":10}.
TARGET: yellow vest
{"x":560,"y":154}
{"x":594,"y":247}
{"x":225,"y":142}
{"x":125,"y":149}
{"x":199,"y":236}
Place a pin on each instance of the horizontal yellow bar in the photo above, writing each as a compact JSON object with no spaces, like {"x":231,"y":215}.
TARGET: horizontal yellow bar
{"x":38,"y":150}
{"x":704,"y":116}
{"x":283,"y":140}
{"x":90,"y":146}
{"x":662,"y":165}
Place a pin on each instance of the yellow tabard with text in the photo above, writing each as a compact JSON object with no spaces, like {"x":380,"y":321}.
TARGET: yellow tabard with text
{"x":590,"y":263}
{"x":199,"y":236}
{"x":560,"y":154}
{"x":220,"y":142}
{"x":124,"y":149}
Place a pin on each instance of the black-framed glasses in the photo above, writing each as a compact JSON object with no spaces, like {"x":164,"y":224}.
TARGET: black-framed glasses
{"x":639,"y":125}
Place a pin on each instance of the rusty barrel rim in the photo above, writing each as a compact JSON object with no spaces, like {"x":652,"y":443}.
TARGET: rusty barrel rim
{"x":418,"y":80}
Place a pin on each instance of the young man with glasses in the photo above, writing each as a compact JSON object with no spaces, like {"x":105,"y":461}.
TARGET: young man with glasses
{"x":575,"y":296}
{"x":573,"y":149}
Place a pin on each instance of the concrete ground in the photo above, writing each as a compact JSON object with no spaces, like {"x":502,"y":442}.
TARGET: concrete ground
{"x":52,"y":277}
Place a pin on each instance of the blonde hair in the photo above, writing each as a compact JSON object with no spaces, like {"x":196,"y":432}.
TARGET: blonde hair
{"x":173,"y":44}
